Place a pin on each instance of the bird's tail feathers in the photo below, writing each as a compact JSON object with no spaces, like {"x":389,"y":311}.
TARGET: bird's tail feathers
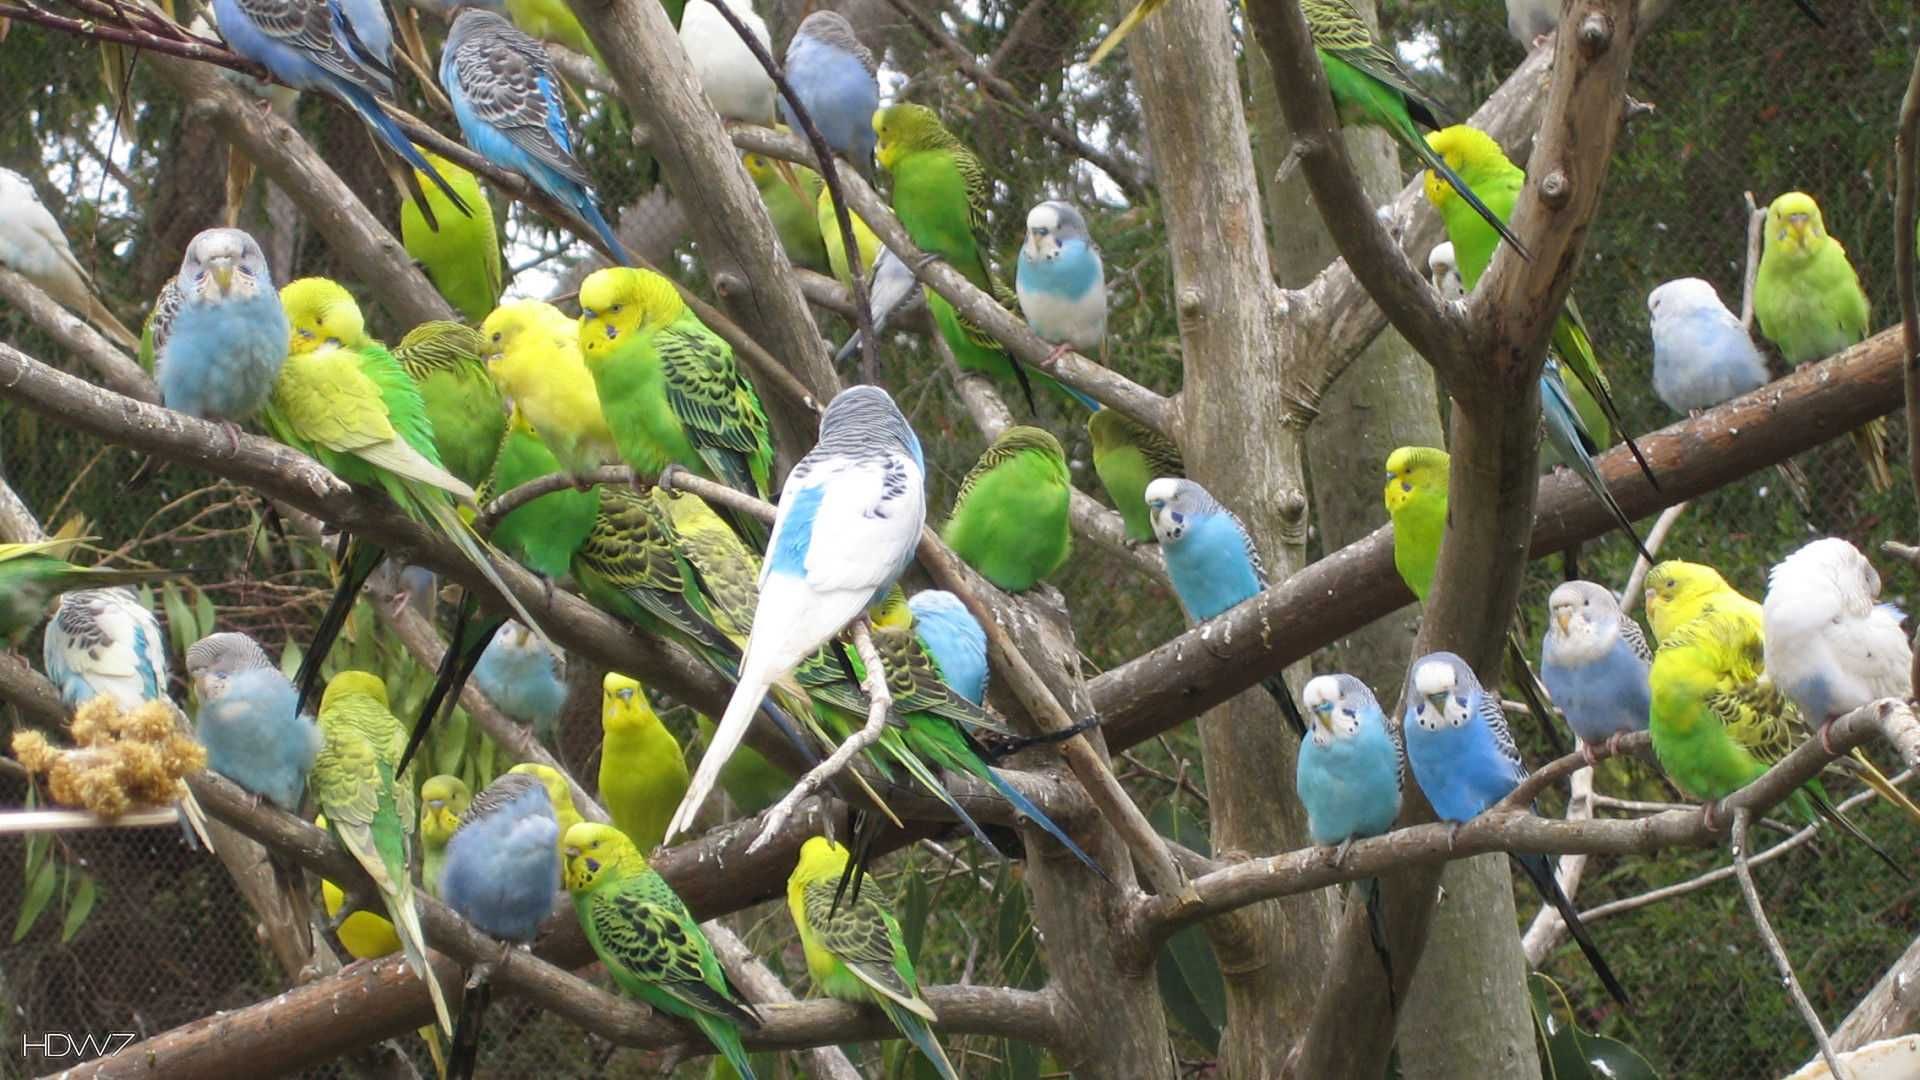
{"x":465,"y":1051}
{"x":891,"y":742}
{"x":587,"y":209}
{"x":97,"y":314}
{"x":1377,"y":933}
{"x":1276,"y":685}
{"x":1521,"y":672}
{"x":1871,"y":441}
{"x":388,"y":132}
{"x":1539,"y":868}
{"x":919,"y":1034}
{"x":726,"y":1038}
{"x":469,"y":643}
{"x":727,"y":737}
{"x":1126,"y":26}
{"x":1832,"y":813}
{"x":1871,"y":776}
{"x":359,"y":559}
{"x":1026,"y":809}
{"x":478,"y":552}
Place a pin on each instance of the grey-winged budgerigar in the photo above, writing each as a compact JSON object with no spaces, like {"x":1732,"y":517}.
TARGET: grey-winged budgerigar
{"x":247,"y":721}
{"x":835,"y":78}
{"x":218,"y":331}
{"x":1594,"y":661}
{"x":105,"y":642}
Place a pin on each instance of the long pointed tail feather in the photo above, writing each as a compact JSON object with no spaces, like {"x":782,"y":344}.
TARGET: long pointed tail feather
{"x":1540,"y":869}
{"x":1871,"y":776}
{"x":726,"y":1038}
{"x":919,"y":1034}
{"x":1276,"y":686}
{"x":727,"y":736}
{"x":1870,"y":439}
{"x":1832,"y":813}
{"x":413,"y":942}
{"x":1377,"y":933}
{"x":469,"y":643}
{"x":465,"y":1051}
{"x":1521,"y":672}
{"x":360,"y":558}
{"x":1126,"y":26}
{"x":396,"y":140}
{"x":440,"y":509}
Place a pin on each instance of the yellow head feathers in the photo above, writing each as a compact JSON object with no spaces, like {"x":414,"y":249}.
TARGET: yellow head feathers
{"x":820,"y":858}
{"x":443,"y":799}
{"x":1795,"y":224}
{"x":623,"y":703}
{"x":904,"y":128}
{"x":320,"y":311}
{"x":1412,"y":470}
{"x":1462,"y":148}
{"x":557,"y":790}
{"x":589,"y":850}
{"x":1679,"y":592}
{"x":620,"y":300}
{"x":350,"y":683}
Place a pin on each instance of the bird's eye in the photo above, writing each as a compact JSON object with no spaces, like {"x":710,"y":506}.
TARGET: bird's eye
{"x":615,"y":309}
{"x":305,"y":334}
{"x":496,"y":337}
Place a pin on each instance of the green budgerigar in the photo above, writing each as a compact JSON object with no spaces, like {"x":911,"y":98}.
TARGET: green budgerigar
{"x":792,"y":211}
{"x":1127,"y":456}
{"x":461,"y":255}
{"x":649,"y":942}
{"x":854,"y":948}
{"x":1009,"y":521}
{"x":370,"y":807}
{"x":443,"y":799}
{"x":1808,"y":302}
{"x":32,"y":574}
{"x":464,"y":406}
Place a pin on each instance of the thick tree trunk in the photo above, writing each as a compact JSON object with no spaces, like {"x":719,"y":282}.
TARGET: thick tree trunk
{"x":1271,"y":954}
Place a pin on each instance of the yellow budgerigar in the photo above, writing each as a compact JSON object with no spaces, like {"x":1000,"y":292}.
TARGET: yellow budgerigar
{"x":642,"y":773}
{"x":534,"y":355}
{"x":461,"y":255}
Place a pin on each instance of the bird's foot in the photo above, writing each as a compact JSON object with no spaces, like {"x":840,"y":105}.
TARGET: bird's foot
{"x":1706,"y":816}
{"x":1340,"y":853}
{"x":1453,"y":835}
{"x":1052,"y":358}
{"x":1540,"y":41}
{"x":1826,"y":737}
{"x":233,"y":437}
{"x":1587,"y":755}
{"x":665,"y":481}
{"x":925,"y":259}
{"x":582,"y":483}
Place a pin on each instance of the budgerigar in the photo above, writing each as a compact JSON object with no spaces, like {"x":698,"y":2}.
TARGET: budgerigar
{"x":650,"y":944}
{"x":443,"y":799}
{"x":1531,"y":20}
{"x":891,"y":289}
{"x":533,"y":352}
{"x":559,"y":793}
{"x":247,"y":720}
{"x":1594,"y":661}
{"x":370,"y":808}
{"x":1213,"y":563}
{"x":341,"y":49}
{"x":953,"y":638}
{"x":506,"y":97}
{"x":795,"y":214}
{"x":836,"y":79}
{"x":32,"y":245}
{"x":523,"y":678}
{"x":1061,"y":283}
{"x":854,"y":948}
{"x":463,"y":405}
{"x":1807,"y":300}
{"x":737,"y":87}
{"x":1702,"y":353}
{"x":105,"y":642}
{"x":1576,"y":446}
{"x":500,"y":873}
{"x":1465,"y":761}
{"x":32,"y":574}
{"x":1830,"y":646}
{"x":670,"y":387}
{"x":1127,"y":455}
{"x":642,"y":772}
{"x":461,"y":252}
{"x":219,"y":332}
{"x":868,"y":245}
{"x":1718,"y":723}
{"x":1444,"y":270}
{"x":940,"y":192}
{"x":1009,"y":520}
{"x":1679,"y":592}
{"x":850,"y":516}
{"x":1475,"y":157}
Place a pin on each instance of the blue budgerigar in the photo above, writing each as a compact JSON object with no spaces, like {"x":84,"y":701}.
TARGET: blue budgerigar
{"x":1702,"y":353}
{"x":1465,"y":761}
{"x":850,"y":516}
{"x":1595,"y":662}
{"x":219,"y":333}
{"x":506,"y":97}
{"x":1213,"y":563}
{"x":953,"y":637}
{"x":835,"y":78}
{"x":105,"y":642}
{"x":1576,"y":447}
{"x":247,"y":720}
{"x":1348,"y":775}
{"x":1062,"y":285}
{"x":501,"y":873}
{"x":341,"y":48}
{"x":891,"y":290}
{"x":522,"y":677}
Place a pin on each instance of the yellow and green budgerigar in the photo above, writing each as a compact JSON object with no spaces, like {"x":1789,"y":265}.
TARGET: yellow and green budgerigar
{"x":469,"y":419}
{"x":443,"y":799}
{"x":370,"y":806}
{"x":642,"y":773}
{"x":854,"y":948}
{"x":863,"y":238}
{"x":1808,"y":301}
{"x":648,"y":941}
{"x":1127,"y":456}
{"x":461,"y":252}
{"x":791,"y":211}
{"x":1718,"y":723}
{"x":1009,"y":520}
{"x":940,"y":192}
{"x":533,"y":353}
{"x":1478,"y":160}
{"x":670,"y":387}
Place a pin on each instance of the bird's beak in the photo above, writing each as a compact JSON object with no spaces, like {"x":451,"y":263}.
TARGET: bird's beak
{"x":222,"y":269}
{"x":1323,"y":717}
{"x":1797,"y":226}
{"x":1561,"y":619}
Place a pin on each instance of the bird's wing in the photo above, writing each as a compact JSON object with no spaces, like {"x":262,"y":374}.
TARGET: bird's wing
{"x":856,"y":933}
{"x":1635,"y":638}
{"x":332,"y":403}
{"x":705,"y":390}
{"x":1340,"y":30}
{"x":511,"y":86}
{"x":655,"y":944}
{"x":308,"y":25}
{"x":160,"y":320}
{"x":1487,"y":707}
{"x":864,"y":512}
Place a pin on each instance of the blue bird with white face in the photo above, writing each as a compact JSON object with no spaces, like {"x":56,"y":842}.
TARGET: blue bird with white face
{"x":1348,"y":775}
{"x":1595,"y":662}
{"x":836,"y":80}
{"x":1702,"y":353}
{"x":506,"y":97}
{"x":1061,"y":283}
{"x":850,"y":516}
{"x":522,"y":677}
{"x":1212,"y":563}
{"x":220,"y":335}
{"x":247,"y":720}
{"x":953,"y":637}
{"x":1465,"y":760}
{"x":105,"y":642}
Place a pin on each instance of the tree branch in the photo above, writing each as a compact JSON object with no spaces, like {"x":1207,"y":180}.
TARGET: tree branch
{"x":1890,"y":1008}
{"x":112,"y":366}
{"x":879,"y":704}
{"x":1904,"y":200}
{"x":1775,"y":949}
{"x":30,"y":692}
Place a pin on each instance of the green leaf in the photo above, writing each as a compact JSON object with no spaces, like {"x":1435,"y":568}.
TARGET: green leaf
{"x":1571,"y":1054}
{"x":179,"y":618}
{"x":39,"y":890}
{"x":79,"y":906}
{"x":915,"y":906}
{"x":204,"y":616}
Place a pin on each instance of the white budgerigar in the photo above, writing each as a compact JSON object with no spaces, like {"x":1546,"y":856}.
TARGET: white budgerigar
{"x":32,"y":245}
{"x":1444,"y":270}
{"x":735,"y":83}
{"x":1829,"y":645}
{"x":105,"y":642}
{"x":850,"y":516}
{"x":1702,"y":353}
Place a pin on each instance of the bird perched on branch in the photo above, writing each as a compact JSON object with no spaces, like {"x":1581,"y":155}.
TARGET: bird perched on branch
{"x":463,"y":405}
{"x":533,"y":352}
{"x":1127,"y":455}
{"x":105,"y":641}
{"x":461,"y":253}
{"x":850,"y":516}
{"x":32,"y":574}
{"x":218,"y":330}
{"x":737,"y":87}
{"x":1594,"y":661}
{"x":1009,"y":520}
{"x":1349,"y":777}
{"x":1702,"y":353}
{"x":642,"y":772}
{"x":443,"y":801}
{"x":1829,"y":644}
{"x":523,"y":678}
{"x":1212,"y":562}
{"x":247,"y":721}
{"x":836,"y":79}
{"x":32,"y":245}
{"x":1061,"y":283}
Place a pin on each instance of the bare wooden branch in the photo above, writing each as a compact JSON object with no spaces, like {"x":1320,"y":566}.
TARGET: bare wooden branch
{"x":879,"y":704}
{"x":1890,"y":1008}
{"x":1637,"y":580}
{"x":759,"y":985}
{"x":1756,"y":230}
{"x":1781,"y":961}
{"x":17,"y":523}
{"x":115,"y":369}
{"x":1904,"y":202}
{"x":27,"y":691}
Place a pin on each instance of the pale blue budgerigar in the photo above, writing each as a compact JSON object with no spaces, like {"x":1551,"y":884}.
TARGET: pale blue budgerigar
{"x":1212,"y":562}
{"x":1061,"y":283}
{"x":247,"y":720}
{"x":341,"y":48}
{"x":506,"y":97}
{"x":1465,"y":761}
{"x":502,"y":874}
{"x":522,"y":677}
{"x":1576,"y":447}
{"x":1702,"y":353}
{"x":891,"y":290}
{"x":105,"y":642}
{"x":1829,"y":643}
{"x":836,"y":80}
{"x":850,"y":515}
{"x":1443,"y":267}
{"x":953,"y":637}
{"x":1595,"y":662}
{"x":32,"y":245}
{"x":220,"y":335}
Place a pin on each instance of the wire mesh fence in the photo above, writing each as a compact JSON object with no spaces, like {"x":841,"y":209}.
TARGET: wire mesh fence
{"x":1747,"y":97}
